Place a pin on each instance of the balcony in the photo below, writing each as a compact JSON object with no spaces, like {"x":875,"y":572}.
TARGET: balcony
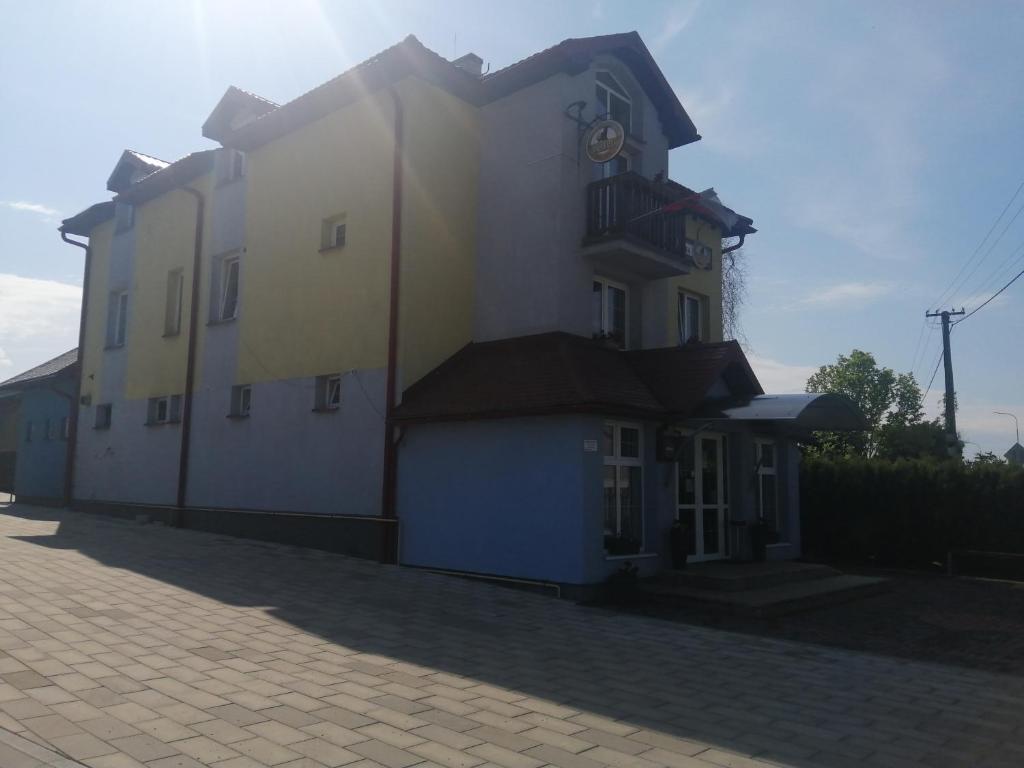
{"x":627,"y":232}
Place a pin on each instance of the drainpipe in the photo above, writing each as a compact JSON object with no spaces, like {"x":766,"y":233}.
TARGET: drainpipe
{"x":738,"y":245}
{"x":390,"y":474}
{"x":190,"y":364}
{"x":69,"y":460}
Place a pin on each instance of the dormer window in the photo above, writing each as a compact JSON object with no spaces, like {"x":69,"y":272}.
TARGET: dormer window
{"x":612,"y":100}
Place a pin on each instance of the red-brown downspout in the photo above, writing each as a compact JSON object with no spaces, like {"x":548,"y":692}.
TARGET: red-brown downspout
{"x":190,"y":360}
{"x":389,"y":538}
{"x":69,"y":461}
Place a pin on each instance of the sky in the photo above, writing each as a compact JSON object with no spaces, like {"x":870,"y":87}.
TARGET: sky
{"x":874,"y":144}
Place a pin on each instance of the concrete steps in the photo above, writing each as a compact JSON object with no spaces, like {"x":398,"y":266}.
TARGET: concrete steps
{"x":764,"y":590}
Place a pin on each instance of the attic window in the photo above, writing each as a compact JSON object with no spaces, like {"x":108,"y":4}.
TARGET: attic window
{"x":232,"y":167}
{"x":613,"y":102}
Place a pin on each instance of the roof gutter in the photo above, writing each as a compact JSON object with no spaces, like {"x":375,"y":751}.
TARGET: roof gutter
{"x":737,"y":246}
{"x":190,"y":364}
{"x":69,"y":460}
{"x":389,"y":491}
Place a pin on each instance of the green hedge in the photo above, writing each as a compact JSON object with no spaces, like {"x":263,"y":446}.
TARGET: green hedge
{"x":908,"y":512}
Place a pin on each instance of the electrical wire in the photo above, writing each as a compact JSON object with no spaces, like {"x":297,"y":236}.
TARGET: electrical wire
{"x":924,"y":397}
{"x":950,"y":290}
{"x":1014,"y":279}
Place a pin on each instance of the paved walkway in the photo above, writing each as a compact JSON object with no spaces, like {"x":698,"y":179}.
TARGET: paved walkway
{"x":124,"y":645}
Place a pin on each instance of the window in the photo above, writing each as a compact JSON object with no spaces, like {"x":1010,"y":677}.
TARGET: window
{"x":229,"y":289}
{"x":691,"y":317}
{"x":164,"y":410}
{"x":333,"y":233}
{"x":328,"y":392}
{"x":612,"y":100}
{"x":172,"y":312}
{"x":29,"y":430}
{"x":241,"y":400}
{"x":765,"y":461}
{"x":623,"y":489}
{"x":124,"y":217}
{"x":103,"y":416}
{"x":65,"y":428}
{"x":232,"y":166}
{"x":610,"y":311}
{"x":117,"y":319}
{"x":51,"y":430}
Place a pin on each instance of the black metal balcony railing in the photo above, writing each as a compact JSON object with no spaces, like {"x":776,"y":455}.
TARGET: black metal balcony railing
{"x":628,"y":205}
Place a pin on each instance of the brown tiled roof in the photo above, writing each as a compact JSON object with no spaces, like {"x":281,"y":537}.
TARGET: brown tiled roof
{"x":84,"y":222}
{"x":559,"y":372}
{"x":177,"y":174}
{"x":44,"y":370}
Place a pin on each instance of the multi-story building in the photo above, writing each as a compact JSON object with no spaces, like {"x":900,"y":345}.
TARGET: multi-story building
{"x":407,"y":314}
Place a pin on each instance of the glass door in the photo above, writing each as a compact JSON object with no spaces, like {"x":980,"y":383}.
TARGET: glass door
{"x":702,"y":492}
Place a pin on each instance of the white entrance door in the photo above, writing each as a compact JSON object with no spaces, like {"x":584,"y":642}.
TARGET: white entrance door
{"x":703,"y":495}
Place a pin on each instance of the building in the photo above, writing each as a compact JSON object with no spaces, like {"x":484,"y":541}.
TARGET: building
{"x":406,"y":315}
{"x":35,"y":427}
{"x":1015,"y":455}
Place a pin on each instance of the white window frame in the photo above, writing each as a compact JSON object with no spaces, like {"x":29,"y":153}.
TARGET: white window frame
{"x":329,"y":239}
{"x":605,"y":323}
{"x":171,"y":405}
{"x":618,"y":91}
{"x":328,"y":393}
{"x":763,"y":471}
{"x":616,"y":459}
{"x":124,"y":217}
{"x":683,"y":316}
{"x":226,"y":265}
{"x":118,"y":334}
{"x":241,"y":400}
{"x":236,"y":166}
{"x":175,"y":295}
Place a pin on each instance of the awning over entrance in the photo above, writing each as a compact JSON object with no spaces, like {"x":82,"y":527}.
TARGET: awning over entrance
{"x":805,"y":411}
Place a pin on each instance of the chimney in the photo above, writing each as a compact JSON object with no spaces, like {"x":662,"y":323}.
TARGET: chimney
{"x":470,"y":63}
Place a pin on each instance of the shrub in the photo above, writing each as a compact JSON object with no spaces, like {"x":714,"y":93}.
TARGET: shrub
{"x":908,"y":512}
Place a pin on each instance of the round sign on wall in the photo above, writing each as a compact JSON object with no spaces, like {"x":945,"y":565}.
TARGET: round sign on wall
{"x":605,"y":140}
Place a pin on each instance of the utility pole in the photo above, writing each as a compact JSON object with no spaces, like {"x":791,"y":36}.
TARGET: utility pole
{"x":952,"y":443}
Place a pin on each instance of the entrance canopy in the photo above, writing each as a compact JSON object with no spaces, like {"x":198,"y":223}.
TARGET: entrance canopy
{"x":805,"y":411}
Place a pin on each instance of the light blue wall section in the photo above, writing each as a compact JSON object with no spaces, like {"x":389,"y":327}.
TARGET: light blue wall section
{"x":39,"y":470}
{"x":285,"y":456}
{"x":496,"y":497}
{"x":514,"y":497}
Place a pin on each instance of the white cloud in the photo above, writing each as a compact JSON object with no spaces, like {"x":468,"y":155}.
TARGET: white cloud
{"x":39,"y":208}
{"x":678,"y":19}
{"x":38,"y":320}
{"x":780,"y":378}
{"x":843,"y":294}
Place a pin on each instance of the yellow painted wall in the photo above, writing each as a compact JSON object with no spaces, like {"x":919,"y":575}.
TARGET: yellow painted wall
{"x":704,"y":282}
{"x":100,"y":241}
{"x":304,"y":312}
{"x":442,"y":152}
{"x":165,"y":236}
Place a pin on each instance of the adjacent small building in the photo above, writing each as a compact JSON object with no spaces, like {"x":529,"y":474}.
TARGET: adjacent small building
{"x":35,"y":427}
{"x":1015,"y":455}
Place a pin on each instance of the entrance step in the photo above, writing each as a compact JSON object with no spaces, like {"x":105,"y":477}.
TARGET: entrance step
{"x":777,"y":600}
{"x":736,"y":577}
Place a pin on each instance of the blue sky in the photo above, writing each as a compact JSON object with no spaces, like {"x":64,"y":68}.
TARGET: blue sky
{"x":873,"y":143}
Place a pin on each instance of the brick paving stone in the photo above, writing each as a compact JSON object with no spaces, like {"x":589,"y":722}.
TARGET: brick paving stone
{"x":250,"y":654}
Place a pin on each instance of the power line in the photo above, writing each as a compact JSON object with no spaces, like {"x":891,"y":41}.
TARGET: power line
{"x":1014,"y":279}
{"x":931,"y":381}
{"x":980,"y":245}
{"x":988,"y":252}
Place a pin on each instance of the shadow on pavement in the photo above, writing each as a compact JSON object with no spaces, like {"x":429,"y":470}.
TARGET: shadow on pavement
{"x":736,"y":691}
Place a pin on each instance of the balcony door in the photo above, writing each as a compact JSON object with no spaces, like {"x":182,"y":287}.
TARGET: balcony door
{"x":703,"y":495}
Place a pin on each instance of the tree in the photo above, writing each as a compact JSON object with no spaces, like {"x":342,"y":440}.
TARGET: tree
{"x":734,"y":292}
{"x":890,"y":402}
{"x":986,"y":459}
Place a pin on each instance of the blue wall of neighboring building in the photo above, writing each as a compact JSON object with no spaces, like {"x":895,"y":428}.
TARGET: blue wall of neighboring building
{"x":39,"y":472}
{"x":496,"y":497}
